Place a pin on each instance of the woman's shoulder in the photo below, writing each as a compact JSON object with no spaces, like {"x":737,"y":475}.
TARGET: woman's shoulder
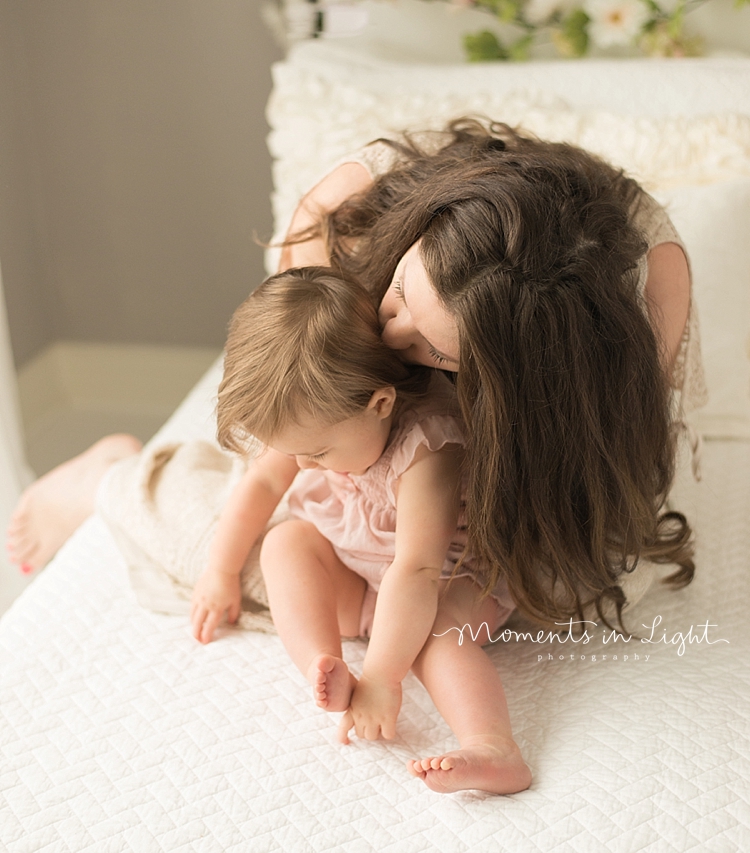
{"x":665,"y":281}
{"x":384,"y":155}
{"x":378,"y":158}
{"x":652,"y":220}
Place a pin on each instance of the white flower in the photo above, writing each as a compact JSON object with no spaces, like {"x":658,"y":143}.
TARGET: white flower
{"x":615,"y":22}
{"x":538,"y":12}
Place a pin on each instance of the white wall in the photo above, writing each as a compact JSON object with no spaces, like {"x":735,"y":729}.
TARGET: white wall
{"x":21,"y":211}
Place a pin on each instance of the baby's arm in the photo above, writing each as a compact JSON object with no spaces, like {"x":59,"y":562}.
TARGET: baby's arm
{"x":246,"y":513}
{"x":427,"y":513}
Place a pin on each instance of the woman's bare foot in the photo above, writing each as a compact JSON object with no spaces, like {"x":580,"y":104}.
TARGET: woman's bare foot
{"x":54,"y":506}
{"x":332,"y":683}
{"x":486,"y":764}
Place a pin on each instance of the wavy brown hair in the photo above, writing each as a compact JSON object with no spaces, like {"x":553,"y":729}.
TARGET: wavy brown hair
{"x":305,"y":343}
{"x":531,"y":248}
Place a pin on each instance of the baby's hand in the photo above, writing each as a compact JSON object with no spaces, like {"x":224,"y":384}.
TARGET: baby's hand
{"x":373,"y":711}
{"x":214,"y":595}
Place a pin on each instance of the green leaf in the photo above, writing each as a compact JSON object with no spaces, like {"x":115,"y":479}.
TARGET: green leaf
{"x":674,"y":24}
{"x":573,"y":36}
{"x":506,"y":10}
{"x":484,"y":46}
{"x":519,"y":50}
{"x":490,"y":5}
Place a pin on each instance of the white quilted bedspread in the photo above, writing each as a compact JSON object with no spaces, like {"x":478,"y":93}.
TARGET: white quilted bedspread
{"x":118,"y":732}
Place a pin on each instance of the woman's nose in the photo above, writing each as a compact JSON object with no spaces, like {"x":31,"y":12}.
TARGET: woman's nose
{"x":399,"y":332}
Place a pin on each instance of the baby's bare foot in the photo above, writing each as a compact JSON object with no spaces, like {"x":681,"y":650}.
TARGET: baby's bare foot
{"x":51,"y":509}
{"x":332,"y":683}
{"x":487,"y":764}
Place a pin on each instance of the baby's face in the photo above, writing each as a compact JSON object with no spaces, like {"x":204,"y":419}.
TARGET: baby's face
{"x":347,"y":447}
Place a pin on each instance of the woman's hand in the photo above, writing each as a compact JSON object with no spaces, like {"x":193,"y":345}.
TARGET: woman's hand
{"x":372,"y":712}
{"x":215,"y":594}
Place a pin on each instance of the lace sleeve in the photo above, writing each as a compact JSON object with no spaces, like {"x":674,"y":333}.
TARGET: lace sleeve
{"x":378,"y":157}
{"x":688,"y":379}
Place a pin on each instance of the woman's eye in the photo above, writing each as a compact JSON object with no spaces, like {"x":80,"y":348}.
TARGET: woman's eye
{"x":434,"y":354}
{"x":317,"y":456}
{"x":398,"y":289}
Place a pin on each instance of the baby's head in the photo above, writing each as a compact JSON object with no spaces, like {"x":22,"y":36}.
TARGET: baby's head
{"x":307,"y":373}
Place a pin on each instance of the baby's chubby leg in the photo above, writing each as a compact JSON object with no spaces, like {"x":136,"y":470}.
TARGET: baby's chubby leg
{"x":315,"y":600}
{"x":466,"y":688}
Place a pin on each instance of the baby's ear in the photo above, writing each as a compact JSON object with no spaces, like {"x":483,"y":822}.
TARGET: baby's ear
{"x":382,"y":401}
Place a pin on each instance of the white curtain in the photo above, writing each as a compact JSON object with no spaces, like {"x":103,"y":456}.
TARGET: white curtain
{"x":14,"y":472}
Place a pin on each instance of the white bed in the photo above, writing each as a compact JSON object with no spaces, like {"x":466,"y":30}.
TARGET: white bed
{"x":118,"y":732}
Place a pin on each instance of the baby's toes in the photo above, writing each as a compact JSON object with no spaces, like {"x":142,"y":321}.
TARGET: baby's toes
{"x":435,"y":762}
{"x":320,"y":694}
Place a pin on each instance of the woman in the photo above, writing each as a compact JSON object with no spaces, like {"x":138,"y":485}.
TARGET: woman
{"x":558,"y":293}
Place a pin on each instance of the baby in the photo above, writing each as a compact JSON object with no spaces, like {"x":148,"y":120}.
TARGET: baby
{"x":372,"y":449}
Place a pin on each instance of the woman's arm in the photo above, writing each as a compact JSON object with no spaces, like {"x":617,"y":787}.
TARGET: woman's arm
{"x":668,"y":297}
{"x":339,"y":185}
{"x":427,"y":513}
{"x":250,"y":506}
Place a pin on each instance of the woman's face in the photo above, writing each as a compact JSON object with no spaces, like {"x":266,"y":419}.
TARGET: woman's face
{"x":414,"y":320}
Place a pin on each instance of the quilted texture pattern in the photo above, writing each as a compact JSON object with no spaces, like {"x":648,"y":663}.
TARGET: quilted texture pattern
{"x":118,"y":732}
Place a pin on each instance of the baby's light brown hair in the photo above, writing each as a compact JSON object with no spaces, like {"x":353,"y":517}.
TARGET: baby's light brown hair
{"x":305,"y":345}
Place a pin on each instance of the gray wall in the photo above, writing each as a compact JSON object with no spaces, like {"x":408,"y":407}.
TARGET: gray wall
{"x":21,"y":209}
{"x":133,"y":167}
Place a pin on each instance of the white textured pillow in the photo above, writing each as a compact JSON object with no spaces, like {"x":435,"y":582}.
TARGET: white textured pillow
{"x":317,"y":120}
{"x":699,"y":166}
{"x":714,"y":222}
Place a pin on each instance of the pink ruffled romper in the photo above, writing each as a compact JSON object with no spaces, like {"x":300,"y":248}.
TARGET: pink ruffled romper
{"x":357,"y":513}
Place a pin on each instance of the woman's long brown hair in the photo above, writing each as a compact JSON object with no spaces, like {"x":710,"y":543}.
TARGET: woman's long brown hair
{"x":531,"y":248}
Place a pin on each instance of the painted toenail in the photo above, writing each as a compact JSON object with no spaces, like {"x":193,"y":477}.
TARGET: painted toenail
{"x":27,"y":569}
